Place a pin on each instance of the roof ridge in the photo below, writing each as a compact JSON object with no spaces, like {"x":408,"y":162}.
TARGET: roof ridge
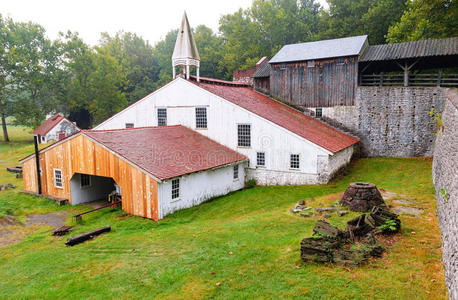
{"x":133,"y":128}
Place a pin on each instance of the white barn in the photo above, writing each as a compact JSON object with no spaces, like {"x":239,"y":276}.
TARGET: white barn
{"x":55,"y":128}
{"x":283,"y":145}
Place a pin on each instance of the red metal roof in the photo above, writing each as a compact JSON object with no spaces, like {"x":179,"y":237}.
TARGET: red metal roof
{"x":282,"y":115}
{"x":49,"y":124}
{"x":167,"y":151}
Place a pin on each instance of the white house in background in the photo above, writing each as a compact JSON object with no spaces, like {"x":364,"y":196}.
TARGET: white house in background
{"x":283,"y":145}
{"x":55,"y":128}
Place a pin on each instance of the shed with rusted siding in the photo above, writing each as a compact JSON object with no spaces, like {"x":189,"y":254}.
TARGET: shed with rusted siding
{"x":317,"y":74}
{"x":157,"y":169}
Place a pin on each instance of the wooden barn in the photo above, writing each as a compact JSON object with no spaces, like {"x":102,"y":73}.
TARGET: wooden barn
{"x":157,"y":169}
{"x":317,"y":74}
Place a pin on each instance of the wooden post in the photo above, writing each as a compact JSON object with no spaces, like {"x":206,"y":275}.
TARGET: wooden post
{"x":37,"y":160}
{"x":439,"y":78}
{"x":406,"y":75}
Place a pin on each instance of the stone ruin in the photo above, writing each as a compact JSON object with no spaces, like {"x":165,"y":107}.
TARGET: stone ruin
{"x":362,"y":197}
{"x":356,"y":244}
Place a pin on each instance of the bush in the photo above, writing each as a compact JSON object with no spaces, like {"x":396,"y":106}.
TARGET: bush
{"x":250,"y":183}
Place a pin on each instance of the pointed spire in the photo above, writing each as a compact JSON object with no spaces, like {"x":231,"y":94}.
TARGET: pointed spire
{"x":185,"y":53}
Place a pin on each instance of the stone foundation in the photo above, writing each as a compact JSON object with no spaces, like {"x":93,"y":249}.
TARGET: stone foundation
{"x":445,"y":177}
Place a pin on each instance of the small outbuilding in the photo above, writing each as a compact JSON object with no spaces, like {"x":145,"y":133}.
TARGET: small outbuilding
{"x":157,"y":170}
{"x":55,"y":128}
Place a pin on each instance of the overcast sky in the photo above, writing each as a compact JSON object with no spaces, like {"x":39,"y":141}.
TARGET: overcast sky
{"x":149,"y":19}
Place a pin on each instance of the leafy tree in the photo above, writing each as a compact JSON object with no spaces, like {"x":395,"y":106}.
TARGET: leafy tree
{"x":138,"y":64}
{"x":379,"y":17}
{"x":426,"y":19}
{"x":163,"y":50}
{"x":209,"y":46}
{"x":6,"y":70}
{"x":93,"y":81}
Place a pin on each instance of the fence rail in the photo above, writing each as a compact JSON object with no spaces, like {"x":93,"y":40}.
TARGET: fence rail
{"x":439,"y":79}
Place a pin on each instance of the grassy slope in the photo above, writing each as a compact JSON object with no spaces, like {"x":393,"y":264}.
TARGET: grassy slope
{"x":187,"y":254}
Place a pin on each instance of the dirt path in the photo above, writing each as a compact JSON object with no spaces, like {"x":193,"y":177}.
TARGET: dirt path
{"x":13,"y":231}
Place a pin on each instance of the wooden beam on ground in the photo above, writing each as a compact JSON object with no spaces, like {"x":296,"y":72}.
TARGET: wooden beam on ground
{"x":86,"y":236}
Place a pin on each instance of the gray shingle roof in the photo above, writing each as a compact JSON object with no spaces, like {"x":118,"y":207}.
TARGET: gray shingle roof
{"x":440,"y":47}
{"x":349,"y":46}
{"x":263,"y":71}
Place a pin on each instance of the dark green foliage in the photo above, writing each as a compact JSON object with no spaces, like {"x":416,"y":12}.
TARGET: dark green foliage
{"x":250,"y":183}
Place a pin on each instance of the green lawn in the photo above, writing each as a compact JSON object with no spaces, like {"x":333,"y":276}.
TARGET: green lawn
{"x":187,"y":255}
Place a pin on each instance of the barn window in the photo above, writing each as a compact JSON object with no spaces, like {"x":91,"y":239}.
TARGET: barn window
{"x":85,"y":180}
{"x":310,"y":63}
{"x":294,"y":161}
{"x":162,"y":117}
{"x":43,"y":139}
{"x":58,"y":178}
{"x":236,"y":172}
{"x":176,"y":188}
{"x":201,"y":117}
{"x":129,"y":125}
{"x":318,"y":112}
{"x":260,"y":159}
{"x":340,"y":61}
{"x":244,"y":135}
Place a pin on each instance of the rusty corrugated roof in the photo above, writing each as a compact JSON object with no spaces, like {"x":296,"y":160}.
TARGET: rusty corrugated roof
{"x":425,"y":48}
{"x":263,"y":71}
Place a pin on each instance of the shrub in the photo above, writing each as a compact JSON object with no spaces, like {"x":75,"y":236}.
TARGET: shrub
{"x":250,"y":183}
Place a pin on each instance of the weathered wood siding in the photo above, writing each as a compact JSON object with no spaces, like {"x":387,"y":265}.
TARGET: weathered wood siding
{"x":81,"y":155}
{"x":331,"y":82}
{"x":262,"y":85}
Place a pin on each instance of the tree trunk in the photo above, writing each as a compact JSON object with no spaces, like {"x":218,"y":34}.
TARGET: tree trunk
{"x":5,"y":130}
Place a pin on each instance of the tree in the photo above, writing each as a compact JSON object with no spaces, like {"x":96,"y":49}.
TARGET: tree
{"x":379,"y":17}
{"x":426,"y":19}
{"x":136,"y":60}
{"x":93,"y":81}
{"x":163,"y":51}
{"x":6,"y":69}
{"x":209,"y":46}
{"x":36,"y":67}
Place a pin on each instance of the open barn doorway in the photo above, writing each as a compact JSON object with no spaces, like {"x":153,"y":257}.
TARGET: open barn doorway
{"x":89,"y":188}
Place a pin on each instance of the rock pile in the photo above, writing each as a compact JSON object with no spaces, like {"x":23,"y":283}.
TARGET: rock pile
{"x":353,"y":246}
{"x":7,"y":186}
{"x":362,"y":197}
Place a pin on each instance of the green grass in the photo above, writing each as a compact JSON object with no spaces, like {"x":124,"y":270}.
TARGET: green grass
{"x":187,"y":255}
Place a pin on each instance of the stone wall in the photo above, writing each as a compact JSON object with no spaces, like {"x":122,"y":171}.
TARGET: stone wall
{"x":445,"y":177}
{"x":395,"y":121}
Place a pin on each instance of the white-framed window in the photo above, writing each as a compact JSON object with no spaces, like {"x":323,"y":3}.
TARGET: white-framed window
{"x":129,"y":125}
{"x":236,"y":172}
{"x":318,"y":112}
{"x":294,"y":161}
{"x":201,"y":117}
{"x":244,"y":135}
{"x":85,"y":180}
{"x":310,"y":63}
{"x":58,"y":178}
{"x":175,"y":188}
{"x":43,"y":139}
{"x":162,"y":117}
{"x":261,"y":159}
